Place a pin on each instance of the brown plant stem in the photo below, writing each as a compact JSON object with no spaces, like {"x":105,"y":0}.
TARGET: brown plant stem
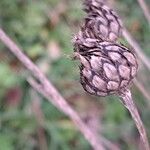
{"x":109,"y":144}
{"x":105,"y":141}
{"x":37,"y":111}
{"x":143,"y":90}
{"x":127,"y":100}
{"x":136,"y":47}
{"x":76,"y":119}
{"x":145,"y":9}
{"x":46,"y":88}
{"x":94,"y":124}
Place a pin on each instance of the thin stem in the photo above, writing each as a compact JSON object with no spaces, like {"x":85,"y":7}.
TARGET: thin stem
{"x":89,"y":135}
{"x":109,"y":144}
{"x":50,"y":92}
{"x":129,"y":104}
{"x":143,"y":90}
{"x":145,"y":9}
{"x":38,"y":113}
{"x":137,"y":48}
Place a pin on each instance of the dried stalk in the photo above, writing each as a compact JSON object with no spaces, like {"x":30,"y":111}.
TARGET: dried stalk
{"x":36,"y":108}
{"x":143,"y":90}
{"x":105,"y":141}
{"x":94,"y":124}
{"x":109,"y":144}
{"x":127,"y":97}
{"x":80,"y":123}
{"x":128,"y":102}
{"x":145,"y":9}
{"x":137,"y":48}
{"x":48,"y":90}
{"x":95,"y":34}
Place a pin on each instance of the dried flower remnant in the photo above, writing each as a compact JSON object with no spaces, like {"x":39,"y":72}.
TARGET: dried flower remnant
{"x":112,"y":66}
{"x":101,"y":22}
{"x":107,"y":67}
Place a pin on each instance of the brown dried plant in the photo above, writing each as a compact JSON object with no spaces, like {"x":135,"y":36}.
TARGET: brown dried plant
{"x":107,"y":66}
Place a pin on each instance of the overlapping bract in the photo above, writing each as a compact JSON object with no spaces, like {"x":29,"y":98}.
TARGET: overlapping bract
{"x":106,"y":66}
{"x":101,"y":22}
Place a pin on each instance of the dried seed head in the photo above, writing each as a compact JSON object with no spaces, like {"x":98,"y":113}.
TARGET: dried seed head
{"x":106,"y":67}
{"x":101,"y":22}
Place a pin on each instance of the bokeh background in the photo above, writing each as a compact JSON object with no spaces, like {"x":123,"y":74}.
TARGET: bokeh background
{"x":44,"y":29}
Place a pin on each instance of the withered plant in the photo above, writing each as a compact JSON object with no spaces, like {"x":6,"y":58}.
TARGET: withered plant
{"x":107,"y":66}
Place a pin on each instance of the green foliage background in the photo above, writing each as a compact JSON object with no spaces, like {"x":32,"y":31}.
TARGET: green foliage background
{"x":38,"y":26}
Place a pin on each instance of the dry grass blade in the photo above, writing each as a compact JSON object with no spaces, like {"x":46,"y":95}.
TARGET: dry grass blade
{"x":137,"y":48}
{"x":145,"y":9}
{"x":103,"y":84}
{"x":129,"y":104}
{"x":95,"y":142}
{"x":143,"y":91}
{"x":109,"y":144}
{"x":50,"y":92}
{"x":37,"y":111}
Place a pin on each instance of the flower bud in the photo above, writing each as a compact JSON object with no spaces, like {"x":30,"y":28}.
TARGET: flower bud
{"x":101,"y":22}
{"x":106,"y":67}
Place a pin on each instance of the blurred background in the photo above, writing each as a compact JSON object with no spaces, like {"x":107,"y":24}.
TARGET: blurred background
{"x":44,"y":29}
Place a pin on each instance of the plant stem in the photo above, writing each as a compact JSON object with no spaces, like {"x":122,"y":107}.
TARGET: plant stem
{"x":145,"y":9}
{"x":46,"y":88}
{"x":141,"y":55}
{"x":126,"y":99}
